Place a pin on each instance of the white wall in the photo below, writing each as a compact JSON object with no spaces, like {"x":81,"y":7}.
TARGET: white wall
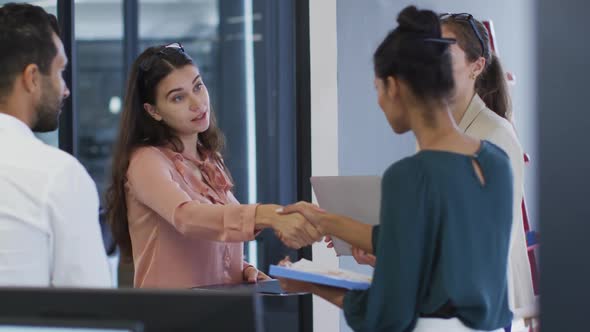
{"x":324,"y":131}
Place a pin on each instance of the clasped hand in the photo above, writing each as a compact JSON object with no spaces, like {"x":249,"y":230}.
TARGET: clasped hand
{"x":297,"y":225}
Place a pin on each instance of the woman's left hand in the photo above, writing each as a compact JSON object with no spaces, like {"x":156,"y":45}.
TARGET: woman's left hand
{"x":361,"y":257}
{"x":291,"y":285}
{"x":252,"y":275}
{"x":295,"y":286}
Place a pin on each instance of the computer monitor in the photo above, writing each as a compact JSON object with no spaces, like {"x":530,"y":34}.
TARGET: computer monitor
{"x":155,"y":310}
{"x":59,"y":325}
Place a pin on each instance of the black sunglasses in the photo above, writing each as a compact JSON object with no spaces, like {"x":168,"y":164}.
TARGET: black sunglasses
{"x":447,"y":41}
{"x":147,"y":63}
{"x":469,"y":18}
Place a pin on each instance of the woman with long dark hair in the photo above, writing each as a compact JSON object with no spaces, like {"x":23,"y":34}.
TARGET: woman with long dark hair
{"x":446,"y":212}
{"x":170,"y":205}
{"x":481,"y":108}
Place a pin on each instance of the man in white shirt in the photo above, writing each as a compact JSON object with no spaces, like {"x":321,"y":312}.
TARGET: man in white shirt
{"x":49,"y":230}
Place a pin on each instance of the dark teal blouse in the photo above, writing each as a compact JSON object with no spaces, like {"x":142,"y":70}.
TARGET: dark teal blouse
{"x":443,"y":240}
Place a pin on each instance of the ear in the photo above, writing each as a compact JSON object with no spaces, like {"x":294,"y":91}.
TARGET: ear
{"x":31,"y":78}
{"x":151,"y":110}
{"x":478,"y":66}
{"x":392,"y":87}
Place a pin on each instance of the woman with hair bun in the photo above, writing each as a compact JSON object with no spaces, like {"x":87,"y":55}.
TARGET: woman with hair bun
{"x":446,"y":212}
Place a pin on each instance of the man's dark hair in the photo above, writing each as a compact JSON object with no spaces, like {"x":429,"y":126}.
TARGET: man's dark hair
{"x":26,"y":36}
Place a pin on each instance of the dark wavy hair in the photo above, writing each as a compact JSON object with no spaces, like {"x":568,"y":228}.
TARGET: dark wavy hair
{"x":491,"y":83}
{"x":138,"y":129}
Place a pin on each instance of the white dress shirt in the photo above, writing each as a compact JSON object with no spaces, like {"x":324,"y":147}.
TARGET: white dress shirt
{"x":480,"y":122}
{"x":49,"y":230}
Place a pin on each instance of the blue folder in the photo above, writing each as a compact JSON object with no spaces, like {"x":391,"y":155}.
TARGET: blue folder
{"x":284,"y":272}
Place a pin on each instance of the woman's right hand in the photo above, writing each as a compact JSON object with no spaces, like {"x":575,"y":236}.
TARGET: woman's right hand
{"x":292,"y":229}
{"x":361,"y":257}
{"x":311,"y":212}
{"x":293,"y":286}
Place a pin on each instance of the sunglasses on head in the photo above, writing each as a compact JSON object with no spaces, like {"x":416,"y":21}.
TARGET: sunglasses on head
{"x":468,"y":18}
{"x":147,"y":63}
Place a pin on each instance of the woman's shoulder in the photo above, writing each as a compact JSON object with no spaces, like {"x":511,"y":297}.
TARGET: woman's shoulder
{"x":490,"y":148}
{"x":492,"y":123}
{"x":150,"y":154}
{"x":490,"y":152}
{"x":493,"y":120}
{"x":494,"y":128}
{"x":408,"y":168}
{"x":145,"y":151}
{"x":485,"y":119}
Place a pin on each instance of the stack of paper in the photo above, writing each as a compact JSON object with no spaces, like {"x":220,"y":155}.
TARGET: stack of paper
{"x":357,"y":197}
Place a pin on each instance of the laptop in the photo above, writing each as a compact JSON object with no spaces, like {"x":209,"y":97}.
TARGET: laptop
{"x":358,"y":197}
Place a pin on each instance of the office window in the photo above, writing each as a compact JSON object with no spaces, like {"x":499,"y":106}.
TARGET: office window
{"x":100,"y":84}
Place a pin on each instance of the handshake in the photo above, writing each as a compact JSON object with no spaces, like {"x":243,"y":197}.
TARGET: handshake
{"x":297,"y":225}
{"x":301,"y":224}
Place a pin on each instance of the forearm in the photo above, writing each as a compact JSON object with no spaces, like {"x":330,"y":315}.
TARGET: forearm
{"x":215,"y":222}
{"x":330,"y":294}
{"x":355,"y":233}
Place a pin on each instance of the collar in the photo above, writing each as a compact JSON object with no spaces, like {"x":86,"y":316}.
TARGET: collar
{"x":9,"y":122}
{"x":215,"y":182}
{"x":475,"y":107}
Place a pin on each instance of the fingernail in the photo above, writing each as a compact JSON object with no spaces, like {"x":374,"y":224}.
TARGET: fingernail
{"x":279,"y":210}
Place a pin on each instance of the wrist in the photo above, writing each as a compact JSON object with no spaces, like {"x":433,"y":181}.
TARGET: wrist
{"x":265,"y":216}
{"x":325,"y":224}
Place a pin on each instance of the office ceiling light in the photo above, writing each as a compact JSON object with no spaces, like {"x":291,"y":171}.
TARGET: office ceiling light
{"x":115,"y":105}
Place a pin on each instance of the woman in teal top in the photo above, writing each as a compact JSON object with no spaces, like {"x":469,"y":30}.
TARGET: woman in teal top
{"x":446,"y":212}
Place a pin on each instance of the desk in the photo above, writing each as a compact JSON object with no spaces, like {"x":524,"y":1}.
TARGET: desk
{"x":280,"y":311}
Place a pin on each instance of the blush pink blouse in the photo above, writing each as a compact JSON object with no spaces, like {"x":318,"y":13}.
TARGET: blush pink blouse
{"x":187,"y":228}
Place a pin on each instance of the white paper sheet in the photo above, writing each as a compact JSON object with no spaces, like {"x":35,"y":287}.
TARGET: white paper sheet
{"x":358,"y":197}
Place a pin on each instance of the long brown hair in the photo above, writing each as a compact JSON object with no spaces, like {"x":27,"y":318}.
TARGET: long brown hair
{"x":137,"y":129}
{"x":491,"y":83}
